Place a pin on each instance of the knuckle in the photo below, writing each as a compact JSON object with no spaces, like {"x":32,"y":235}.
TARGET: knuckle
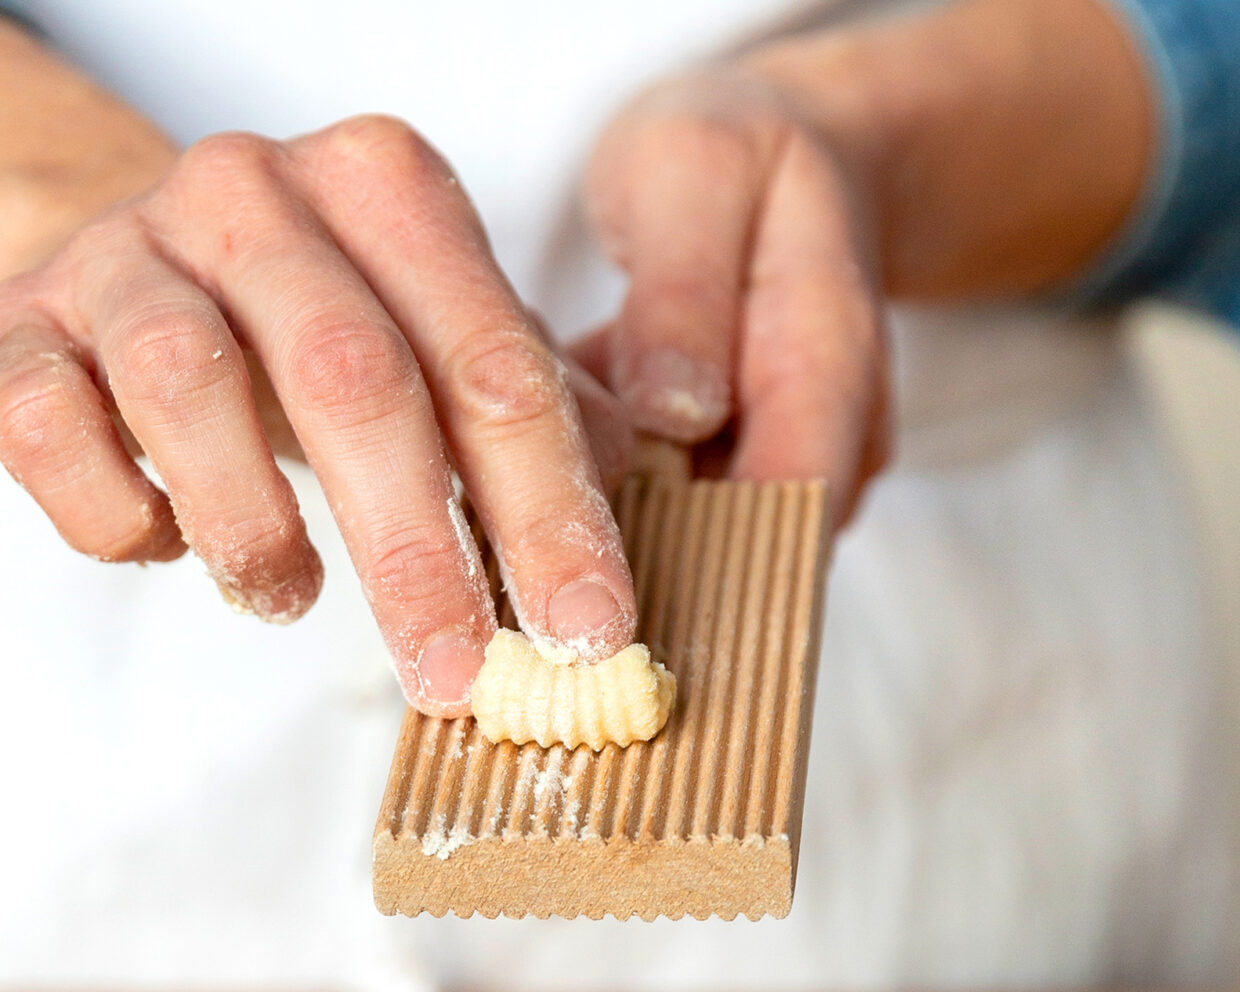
{"x":230,"y":155}
{"x":165,"y":357}
{"x":231,"y":178}
{"x":39,"y":401}
{"x":342,"y":365}
{"x":115,"y":233}
{"x":510,"y":380}
{"x":416,"y":569}
{"x":578,"y":534}
{"x":254,"y":553}
{"x":386,"y":142}
{"x":122,"y":538}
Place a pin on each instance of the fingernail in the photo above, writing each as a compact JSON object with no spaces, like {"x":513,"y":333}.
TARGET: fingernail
{"x":580,"y":610}
{"x":676,"y":396}
{"x":447,"y":666}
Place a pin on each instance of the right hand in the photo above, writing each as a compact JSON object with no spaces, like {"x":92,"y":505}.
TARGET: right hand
{"x":353,"y":266}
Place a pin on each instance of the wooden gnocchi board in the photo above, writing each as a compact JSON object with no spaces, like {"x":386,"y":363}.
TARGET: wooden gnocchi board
{"x":704,"y":819}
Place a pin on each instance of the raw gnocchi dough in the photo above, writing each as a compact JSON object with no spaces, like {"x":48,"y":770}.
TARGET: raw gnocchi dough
{"x":523,"y":694}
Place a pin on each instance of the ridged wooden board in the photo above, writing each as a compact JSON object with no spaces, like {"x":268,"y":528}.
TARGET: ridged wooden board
{"x":705,"y":819}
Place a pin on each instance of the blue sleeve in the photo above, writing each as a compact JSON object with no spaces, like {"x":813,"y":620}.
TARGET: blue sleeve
{"x":1183,"y":241}
{"x":12,"y":9}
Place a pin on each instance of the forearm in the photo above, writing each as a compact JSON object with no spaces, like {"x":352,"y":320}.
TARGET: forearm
{"x":68,"y":150}
{"x":1003,"y":141}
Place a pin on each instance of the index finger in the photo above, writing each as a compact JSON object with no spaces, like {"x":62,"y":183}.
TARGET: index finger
{"x":501,"y":397}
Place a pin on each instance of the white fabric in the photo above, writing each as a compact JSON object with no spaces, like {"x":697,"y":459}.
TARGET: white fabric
{"x":1023,"y":769}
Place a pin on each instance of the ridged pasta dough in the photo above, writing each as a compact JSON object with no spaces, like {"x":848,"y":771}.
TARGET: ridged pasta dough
{"x":523,"y":695}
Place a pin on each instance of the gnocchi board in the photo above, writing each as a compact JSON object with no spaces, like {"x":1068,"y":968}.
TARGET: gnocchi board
{"x":705,"y":818}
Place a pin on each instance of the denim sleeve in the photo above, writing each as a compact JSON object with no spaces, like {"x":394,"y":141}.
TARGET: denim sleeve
{"x":12,"y":9}
{"x":1183,"y":240}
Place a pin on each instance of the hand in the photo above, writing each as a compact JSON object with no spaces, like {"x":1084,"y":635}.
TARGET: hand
{"x":753,"y":307}
{"x":353,"y":266}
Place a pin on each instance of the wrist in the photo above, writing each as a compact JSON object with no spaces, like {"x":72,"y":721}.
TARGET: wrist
{"x":1004,"y":141}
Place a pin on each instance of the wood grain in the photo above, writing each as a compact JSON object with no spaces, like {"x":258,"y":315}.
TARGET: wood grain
{"x":704,"y":819}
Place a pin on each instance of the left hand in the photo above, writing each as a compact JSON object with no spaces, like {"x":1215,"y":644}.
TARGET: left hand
{"x":754,"y":299}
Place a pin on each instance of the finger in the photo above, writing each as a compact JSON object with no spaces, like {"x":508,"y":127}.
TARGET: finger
{"x":354,"y":395}
{"x":501,"y":395}
{"x":607,"y":428}
{"x":592,"y":351}
{"x":58,"y":441}
{"x":674,"y":198}
{"x":813,"y":353}
{"x":179,"y":380}
{"x":877,"y":451}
